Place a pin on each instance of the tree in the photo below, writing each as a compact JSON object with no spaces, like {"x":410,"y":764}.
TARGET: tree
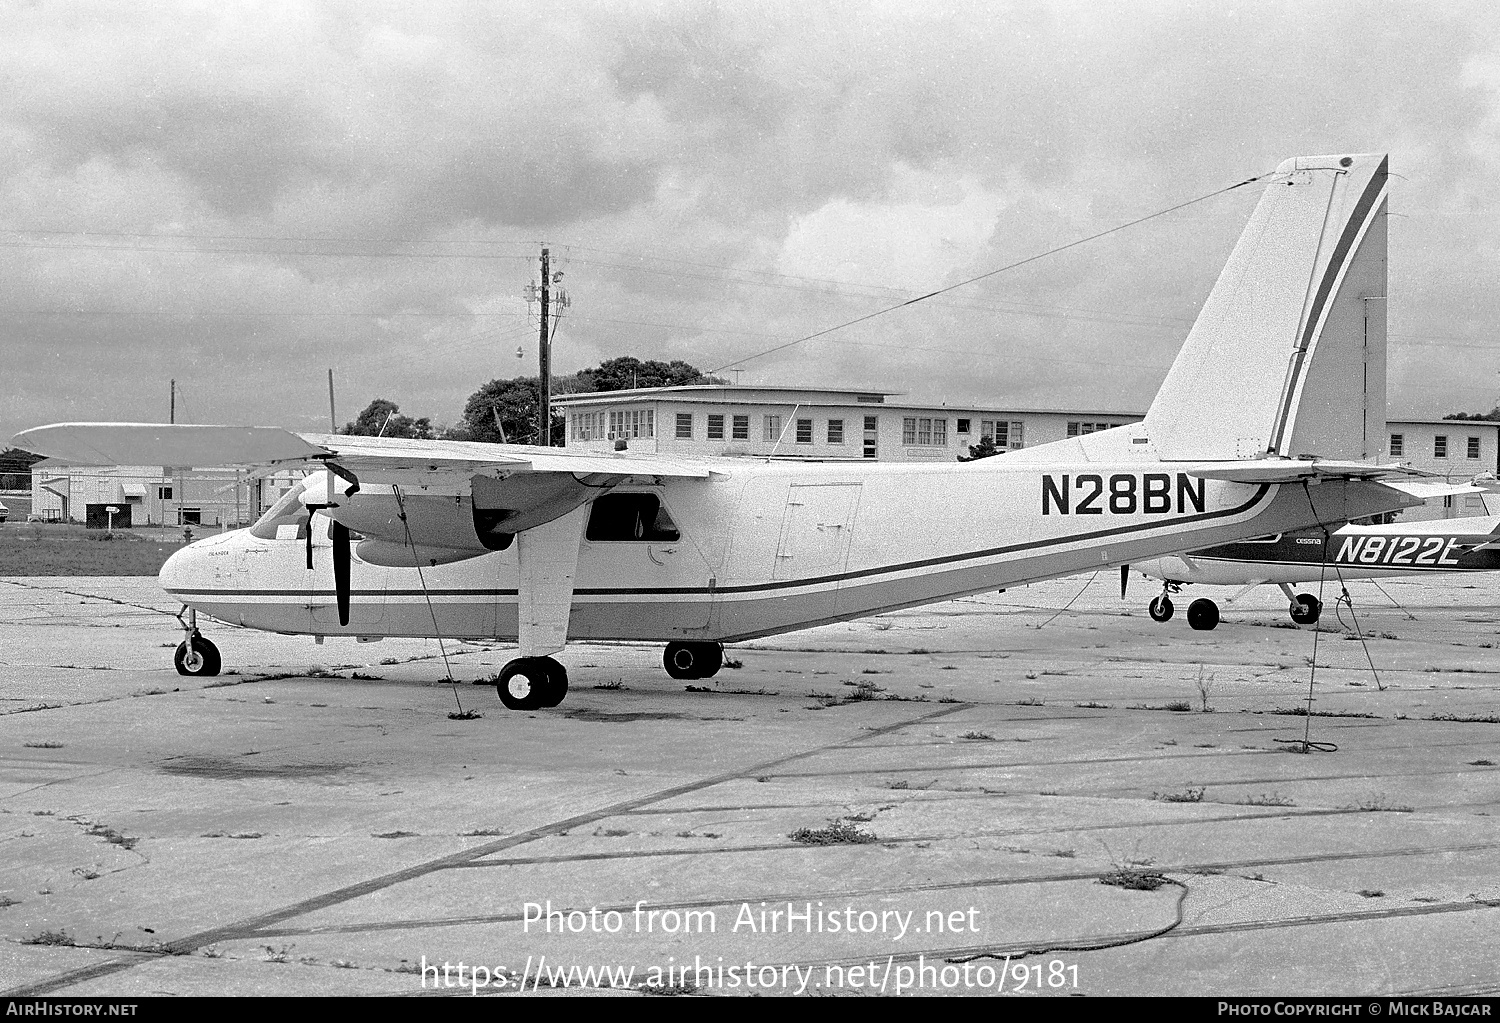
{"x":381,"y":419}
{"x":984,"y":449}
{"x":626,"y":371}
{"x":1491,"y":416}
{"x":504,"y":412}
{"x":15,"y":468}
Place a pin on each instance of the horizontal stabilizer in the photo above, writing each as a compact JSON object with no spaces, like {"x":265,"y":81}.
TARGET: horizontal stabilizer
{"x":1296,"y":470}
{"x":165,"y":444}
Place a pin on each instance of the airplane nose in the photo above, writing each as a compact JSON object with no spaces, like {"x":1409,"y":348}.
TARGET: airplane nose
{"x":180,"y":569}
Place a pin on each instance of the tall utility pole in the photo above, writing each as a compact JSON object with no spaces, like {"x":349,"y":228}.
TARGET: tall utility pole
{"x":544,"y":362}
{"x":544,"y":343}
{"x":172,"y":408}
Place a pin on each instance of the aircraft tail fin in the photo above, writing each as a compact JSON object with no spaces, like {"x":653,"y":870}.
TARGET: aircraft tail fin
{"x":1287,"y":356}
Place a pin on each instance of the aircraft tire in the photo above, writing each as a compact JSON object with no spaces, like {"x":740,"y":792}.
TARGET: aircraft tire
{"x":1203,"y":614}
{"x":524,"y":683}
{"x":682,"y":660}
{"x":1306,"y":609}
{"x":557,"y":683}
{"x":205,"y":661}
{"x":1160,"y":609}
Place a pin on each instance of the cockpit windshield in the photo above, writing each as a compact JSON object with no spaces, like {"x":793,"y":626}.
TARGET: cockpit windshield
{"x":287,"y":519}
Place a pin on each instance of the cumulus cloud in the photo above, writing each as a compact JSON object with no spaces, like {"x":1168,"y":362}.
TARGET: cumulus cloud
{"x":242,"y":196}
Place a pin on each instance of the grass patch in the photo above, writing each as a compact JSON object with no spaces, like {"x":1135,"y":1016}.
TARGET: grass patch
{"x":1301,"y":712}
{"x":396,"y":834}
{"x":617,"y":684}
{"x":1189,"y":795}
{"x":42,"y":745}
{"x":1135,"y":880}
{"x":1473,"y":719}
{"x":1481,"y":763}
{"x":464,"y":715}
{"x":1030,"y":701}
{"x":1268,"y":799}
{"x":61,"y":937}
{"x":978,"y":736}
{"x":1091,"y":705}
{"x":838,"y":832}
{"x":1177,"y":706}
{"x":1377,"y":804}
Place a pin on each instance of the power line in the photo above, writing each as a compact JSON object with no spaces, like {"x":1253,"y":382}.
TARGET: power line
{"x":992,"y":273}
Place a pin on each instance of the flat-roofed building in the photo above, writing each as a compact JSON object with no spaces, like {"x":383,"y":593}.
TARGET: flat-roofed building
{"x":1459,"y":449}
{"x":152,"y":495}
{"x":816,"y":424}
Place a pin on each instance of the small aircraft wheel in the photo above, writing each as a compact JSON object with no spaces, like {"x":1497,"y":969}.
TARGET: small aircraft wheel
{"x":1306,"y":609}
{"x":557,"y":683}
{"x":524,"y":683}
{"x":1160,"y":609}
{"x":202,"y":659}
{"x":683,"y":660}
{"x":1203,"y":614}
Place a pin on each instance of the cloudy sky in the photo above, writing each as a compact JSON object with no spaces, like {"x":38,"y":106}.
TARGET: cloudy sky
{"x":243,"y":195}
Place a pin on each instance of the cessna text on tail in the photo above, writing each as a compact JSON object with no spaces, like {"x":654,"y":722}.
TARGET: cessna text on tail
{"x":1263,"y":424}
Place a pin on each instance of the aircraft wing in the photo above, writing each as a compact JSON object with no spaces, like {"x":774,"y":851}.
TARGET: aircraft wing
{"x":181,"y":444}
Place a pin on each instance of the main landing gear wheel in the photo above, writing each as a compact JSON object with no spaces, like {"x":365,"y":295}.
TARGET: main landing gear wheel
{"x":693,"y":660}
{"x":201,"y":658}
{"x":1160,"y":609}
{"x":529,"y":683}
{"x":1305,"y":609}
{"x":1203,"y":614}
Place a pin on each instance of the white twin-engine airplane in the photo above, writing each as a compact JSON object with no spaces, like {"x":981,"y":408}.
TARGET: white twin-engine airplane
{"x":1262,"y":425}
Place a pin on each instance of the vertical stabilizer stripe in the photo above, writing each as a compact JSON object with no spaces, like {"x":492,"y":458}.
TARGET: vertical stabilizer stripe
{"x":1341,"y":254}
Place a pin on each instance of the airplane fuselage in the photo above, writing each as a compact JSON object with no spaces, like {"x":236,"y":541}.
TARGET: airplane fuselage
{"x":761,"y":549}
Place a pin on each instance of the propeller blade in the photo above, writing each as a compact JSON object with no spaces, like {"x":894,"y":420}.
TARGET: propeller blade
{"x":339,"y":534}
{"x":1124,"y":579}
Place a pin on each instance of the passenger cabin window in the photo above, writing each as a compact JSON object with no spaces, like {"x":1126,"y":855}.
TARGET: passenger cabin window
{"x":627,"y":517}
{"x":286,"y":519}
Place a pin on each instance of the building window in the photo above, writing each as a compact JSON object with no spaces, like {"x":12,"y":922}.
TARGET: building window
{"x":804,"y":431}
{"x":164,"y":493}
{"x":684,"y":426}
{"x":920,"y":431}
{"x":632,"y":423}
{"x":963,"y":426}
{"x":835,"y":431}
{"x":1473,"y":447}
{"x":1398,"y":445}
{"x":741,"y":427}
{"x":998,"y":431}
{"x":716,"y":427}
{"x":772,"y":428}
{"x":1440,"y":446}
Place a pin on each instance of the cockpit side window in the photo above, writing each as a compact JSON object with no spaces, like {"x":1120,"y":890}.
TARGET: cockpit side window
{"x":287,"y":519}
{"x":631,"y":517}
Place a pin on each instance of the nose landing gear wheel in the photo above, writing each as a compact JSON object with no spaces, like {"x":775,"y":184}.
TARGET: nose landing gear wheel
{"x":1306,"y":609}
{"x":1160,"y":609}
{"x":200,"y":659}
{"x":1203,"y":614}
{"x":693,"y":660}
{"x":530,"y":683}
